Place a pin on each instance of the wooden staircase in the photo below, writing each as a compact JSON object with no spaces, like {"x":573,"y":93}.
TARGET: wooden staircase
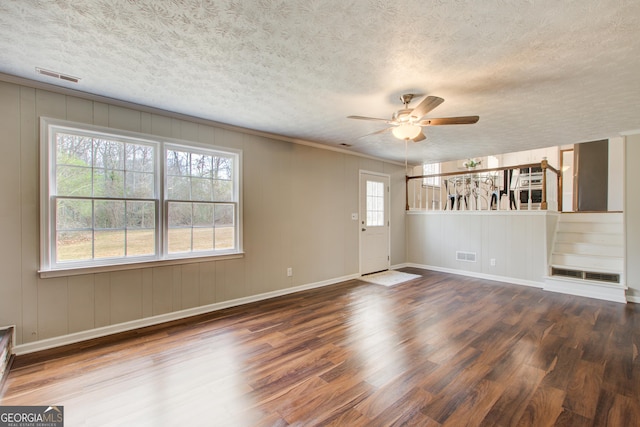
{"x":588,"y":257}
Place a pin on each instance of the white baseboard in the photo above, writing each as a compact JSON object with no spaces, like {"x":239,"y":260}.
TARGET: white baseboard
{"x":604,"y":292}
{"x":584,"y":288}
{"x":399,"y":266}
{"x":167,"y":317}
{"x":634,"y":299}
{"x":504,"y":279}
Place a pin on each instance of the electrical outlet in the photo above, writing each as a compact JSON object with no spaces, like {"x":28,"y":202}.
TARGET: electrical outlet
{"x":289,"y":272}
{"x":493,"y":262}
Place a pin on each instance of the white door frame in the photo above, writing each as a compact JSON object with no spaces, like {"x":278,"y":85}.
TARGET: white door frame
{"x":362,"y":215}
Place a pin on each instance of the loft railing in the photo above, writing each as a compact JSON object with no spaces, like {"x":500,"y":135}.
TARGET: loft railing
{"x":519,"y":187}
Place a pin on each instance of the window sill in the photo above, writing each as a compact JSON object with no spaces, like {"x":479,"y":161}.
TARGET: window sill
{"x":45,"y":274}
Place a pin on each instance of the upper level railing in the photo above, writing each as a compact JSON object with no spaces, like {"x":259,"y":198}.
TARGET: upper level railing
{"x":519,"y":187}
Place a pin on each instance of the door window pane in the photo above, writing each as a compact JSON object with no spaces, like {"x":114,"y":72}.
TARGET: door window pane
{"x":375,"y":204}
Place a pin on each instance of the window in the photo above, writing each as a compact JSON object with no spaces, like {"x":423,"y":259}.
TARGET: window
{"x":200,"y":203}
{"x":375,"y":204}
{"x":431,"y":169}
{"x":117,"y":198}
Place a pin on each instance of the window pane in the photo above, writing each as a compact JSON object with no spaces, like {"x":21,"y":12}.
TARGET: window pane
{"x":109,"y":214}
{"x":141,"y":242}
{"x":224,"y":215}
{"x":203,"y":239}
{"x":223,"y":191}
{"x":108,"y":154}
{"x":225,"y":226}
{"x":108,"y":183}
{"x":225,"y":238}
{"x":140,"y":158}
{"x":109,"y":244}
{"x":180,"y":214}
{"x":375,"y":203}
{"x":223,"y":168}
{"x":201,"y":189}
{"x":203,"y":214}
{"x":141,"y":215}
{"x":74,"y":245}
{"x":179,"y":240}
{"x":180,"y":226}
{"x":73,"y":181}
{"x":201,"y":165}
{"x":178,"y":188}
{"x":73,"y":214}
{"x":73,"y":150}
{"x":177,"y":163}
{"x":139,"y":185}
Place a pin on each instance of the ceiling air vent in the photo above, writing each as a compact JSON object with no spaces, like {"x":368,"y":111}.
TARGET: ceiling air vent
{"x":57,"y":75}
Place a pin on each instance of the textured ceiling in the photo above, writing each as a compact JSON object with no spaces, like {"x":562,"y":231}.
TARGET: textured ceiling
{"x":538,"y":73}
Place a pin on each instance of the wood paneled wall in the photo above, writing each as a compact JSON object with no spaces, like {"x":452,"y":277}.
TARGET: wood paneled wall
{"x":519,"y":242}
{"x":298,"y":202}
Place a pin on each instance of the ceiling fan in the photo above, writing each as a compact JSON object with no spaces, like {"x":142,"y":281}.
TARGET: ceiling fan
{"x":407,"y":123}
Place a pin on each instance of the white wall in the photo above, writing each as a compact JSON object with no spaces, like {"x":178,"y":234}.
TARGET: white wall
{"x":616,"y":166}
{"x":532,"y":156}
{"x":298,"y":202}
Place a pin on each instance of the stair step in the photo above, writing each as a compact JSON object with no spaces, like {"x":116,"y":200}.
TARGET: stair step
{"x":590,"y":227}
{"x":582,"y":248}
{"x":597,"y":238}
{"x":582,"y":268}
{"x":600,"y":217}
{"x":589,"y":262}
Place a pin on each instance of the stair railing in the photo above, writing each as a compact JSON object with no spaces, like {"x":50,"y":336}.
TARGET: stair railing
{"x":483,"y":189}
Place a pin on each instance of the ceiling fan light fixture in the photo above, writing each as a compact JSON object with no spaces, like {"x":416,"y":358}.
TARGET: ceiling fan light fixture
{"x":406,"y":131}
{"x":402,"y":116}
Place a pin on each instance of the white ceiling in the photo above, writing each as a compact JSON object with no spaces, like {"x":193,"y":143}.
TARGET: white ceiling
{"x":537,"y":72}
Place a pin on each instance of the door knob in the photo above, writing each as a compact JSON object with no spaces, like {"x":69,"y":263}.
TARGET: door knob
{"x":364,"y":229}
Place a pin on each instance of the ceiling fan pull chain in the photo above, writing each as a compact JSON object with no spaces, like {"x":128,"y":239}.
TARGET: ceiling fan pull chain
{"x":406,"y":153}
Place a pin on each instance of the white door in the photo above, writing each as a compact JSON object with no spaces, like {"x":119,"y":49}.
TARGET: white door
{"x":374,"y":223}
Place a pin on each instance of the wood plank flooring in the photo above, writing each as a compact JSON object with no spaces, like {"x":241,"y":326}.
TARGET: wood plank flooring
{"x":442,"y":350}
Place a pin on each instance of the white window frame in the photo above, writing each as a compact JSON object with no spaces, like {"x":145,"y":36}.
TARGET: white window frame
{"x":48,"y":265}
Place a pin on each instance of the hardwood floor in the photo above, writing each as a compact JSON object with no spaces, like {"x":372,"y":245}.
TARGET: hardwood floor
{"x":442,"y":350}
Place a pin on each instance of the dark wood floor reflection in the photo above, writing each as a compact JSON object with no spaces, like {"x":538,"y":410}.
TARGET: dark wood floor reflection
{"x":441,"y":350}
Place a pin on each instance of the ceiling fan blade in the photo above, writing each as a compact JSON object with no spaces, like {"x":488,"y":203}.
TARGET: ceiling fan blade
{"x":427,"y":104}
{"x":465,"y":120}
{"x":419,"y":137}
{"x":378,"y":132}
{"x":370,"y":118}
